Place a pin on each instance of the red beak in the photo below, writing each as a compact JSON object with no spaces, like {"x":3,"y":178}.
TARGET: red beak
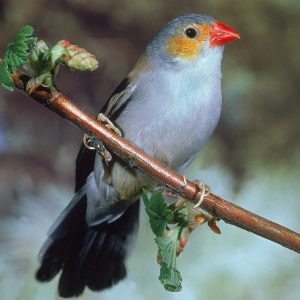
{"x":221,"y":34}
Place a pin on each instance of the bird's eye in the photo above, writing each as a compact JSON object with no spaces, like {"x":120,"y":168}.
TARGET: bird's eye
{"x":190,"y":32}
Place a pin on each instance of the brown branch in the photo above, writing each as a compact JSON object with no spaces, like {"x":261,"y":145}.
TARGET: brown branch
{"x":221,"y":209}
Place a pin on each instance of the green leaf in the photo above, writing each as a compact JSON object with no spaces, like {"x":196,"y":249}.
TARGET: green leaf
{"x":169,"y":275}
{"x":167,"y":246}
{"x":39,"y":61}
{"x":16,"y":55}
{"x":25,"y":31}
{"x":159,"y":214}
{"x":170,"y":278}
{"x":18,"y":50}
{"x":34,"y":82}
{"x":57,"y":52}
{"x":5,"y":78}
{"x":181,"y":216}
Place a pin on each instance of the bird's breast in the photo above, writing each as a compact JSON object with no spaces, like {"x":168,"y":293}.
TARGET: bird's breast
{"x":171,"y":115}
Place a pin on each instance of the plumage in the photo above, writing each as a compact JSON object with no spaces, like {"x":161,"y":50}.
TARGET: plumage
{"x":168,"y":106}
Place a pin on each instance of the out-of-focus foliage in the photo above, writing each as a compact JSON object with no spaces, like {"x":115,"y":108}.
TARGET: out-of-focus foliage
{"x":252,"y":158}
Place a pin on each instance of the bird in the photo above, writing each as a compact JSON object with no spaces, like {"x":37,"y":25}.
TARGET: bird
{"x":168,"y":106}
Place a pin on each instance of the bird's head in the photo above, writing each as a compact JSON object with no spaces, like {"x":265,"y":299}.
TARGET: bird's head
{"x":188,"y":37}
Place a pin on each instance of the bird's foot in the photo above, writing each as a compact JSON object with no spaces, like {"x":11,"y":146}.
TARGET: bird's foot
{"x":204,"y":191}
{"x":184,"y":184}
{"x":108,"y":123}
{"x":93,"y":143}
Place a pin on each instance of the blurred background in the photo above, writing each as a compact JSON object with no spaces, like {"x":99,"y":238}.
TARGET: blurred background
{"x":253,"y":158}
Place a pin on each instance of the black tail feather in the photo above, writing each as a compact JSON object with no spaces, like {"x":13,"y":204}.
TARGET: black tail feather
{"x":88,"y":256}
{"x":59,"y":246}
{"x":51,"y":263}
{"x":111,"y":259}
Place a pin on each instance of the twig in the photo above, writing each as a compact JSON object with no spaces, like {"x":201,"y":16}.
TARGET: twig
{"x":221,"y":209}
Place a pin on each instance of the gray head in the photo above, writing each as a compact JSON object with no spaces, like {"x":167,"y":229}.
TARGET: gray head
{"x":187,"y":37}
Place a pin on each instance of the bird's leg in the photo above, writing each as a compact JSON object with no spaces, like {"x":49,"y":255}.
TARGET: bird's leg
{"x":198,"y":216}
{"x":204,"y":191}
{"x":93,"y":143}
{"x":108,"y":123}
{"x":203,"y":215}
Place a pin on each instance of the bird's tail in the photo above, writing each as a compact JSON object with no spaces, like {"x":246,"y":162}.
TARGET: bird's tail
{"x":91,"y":256}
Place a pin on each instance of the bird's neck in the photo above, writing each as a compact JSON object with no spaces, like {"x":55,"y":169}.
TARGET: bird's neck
{"x":194,"y":84}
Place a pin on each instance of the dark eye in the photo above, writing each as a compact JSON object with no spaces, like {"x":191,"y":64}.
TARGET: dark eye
{"x":190,"y":32}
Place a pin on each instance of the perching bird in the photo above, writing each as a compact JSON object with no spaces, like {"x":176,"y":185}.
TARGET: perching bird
{"x":168,"y":106}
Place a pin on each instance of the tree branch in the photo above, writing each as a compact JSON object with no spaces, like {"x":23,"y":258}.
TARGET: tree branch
{"x":221,"y":209}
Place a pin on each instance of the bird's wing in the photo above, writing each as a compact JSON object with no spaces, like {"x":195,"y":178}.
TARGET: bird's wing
{"x":119,"y":99}
{"x":112,"y":109}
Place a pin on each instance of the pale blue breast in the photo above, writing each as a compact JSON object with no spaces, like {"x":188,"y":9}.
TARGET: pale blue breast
{"x":173,"y":113}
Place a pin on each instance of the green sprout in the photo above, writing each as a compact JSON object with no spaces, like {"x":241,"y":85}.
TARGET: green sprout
{"x":40,"y":61}
{"x":170,"y":228}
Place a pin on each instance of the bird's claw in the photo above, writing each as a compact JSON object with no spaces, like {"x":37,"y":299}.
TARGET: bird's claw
{"x":93,"y":143}
{"x":108,"y":123}
{"x":204,"y":191}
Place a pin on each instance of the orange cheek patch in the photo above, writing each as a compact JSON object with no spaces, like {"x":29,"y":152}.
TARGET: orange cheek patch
{"x":183,"y":47}
{"x":187,"y":48}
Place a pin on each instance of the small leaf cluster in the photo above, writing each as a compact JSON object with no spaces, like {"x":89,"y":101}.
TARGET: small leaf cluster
{"x":159,"y":213}
{"x":168,"y":225}
{"x":16,"y":55}
{"x":40,"y":61}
